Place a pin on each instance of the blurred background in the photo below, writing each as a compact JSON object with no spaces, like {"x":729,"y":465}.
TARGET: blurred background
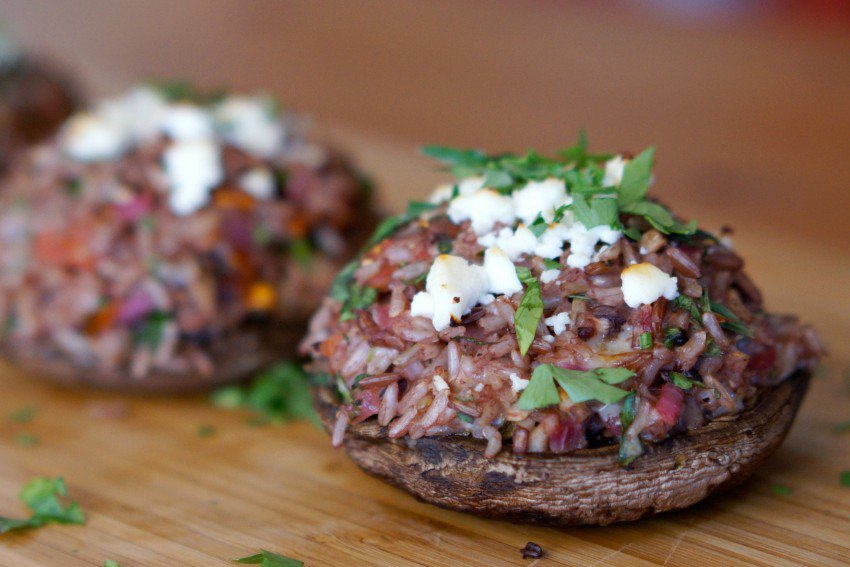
{"x":748,"y":102}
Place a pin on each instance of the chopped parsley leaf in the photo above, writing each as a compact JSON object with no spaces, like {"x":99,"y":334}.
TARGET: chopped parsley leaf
{"x":530,"y":310}
{"x":41,"y":496}
{"x":646,"y":340}
{"x":279,"y":395}
{"x":581,"y":386}
{"x":781,"y":489}
{"x":268,"y":559}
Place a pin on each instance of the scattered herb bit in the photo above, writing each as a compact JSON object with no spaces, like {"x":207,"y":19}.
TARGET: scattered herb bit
{"x":26,"y":440}
{"x":551,"y":264}
{"x":302,"y":252}
{"x":279,"y":395}
{"x":111,"y":563}
{"x":386,"y":228}
{"x":673,"y":337}
{"x":581,"y":386}
{"x":205,"y":431}
{"x":530,"y":310}
{"x":444,"y":245}
{"x":646,"y":340}
{"x":684,"y":382}
{"x":23,"y":415}
{"x":633,"y":233}
{"x":532,"y":551}
{"x":730,"y":321}
{"x":686,"y":303}
{"x":41,"y":496}
{"x":630,"y":445}
{"x":149,"y":332}
{"x":360,"y":297}
{"x":472,"y":340}
{"x":464,"y":417}
{"x":343,"y":390}
{"x":582,"y":296}
{"x":781,"y":489}
{"x":712,"y":348}
{"x":844,"y":478}
{"x":73,"y":187}
{"x":416,"y":208}
{"x":538,"y":227}
{"x":268,"y":559}
{"x":843,"y":427}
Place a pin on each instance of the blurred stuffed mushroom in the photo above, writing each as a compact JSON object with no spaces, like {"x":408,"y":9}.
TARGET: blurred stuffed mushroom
{"x":166,"y":240}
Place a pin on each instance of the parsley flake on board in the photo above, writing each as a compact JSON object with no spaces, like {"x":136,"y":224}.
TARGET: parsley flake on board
{"x":581,"y":386}
{"x":41,"y":496}
{"x":111,"y":563}
{"x":268,"y":559}
{"x":844,"y":478}
{"x":278,"y":395}
{"x":530,"y":310}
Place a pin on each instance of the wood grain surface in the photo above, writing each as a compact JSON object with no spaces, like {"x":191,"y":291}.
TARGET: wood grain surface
{"x":752,"y":121}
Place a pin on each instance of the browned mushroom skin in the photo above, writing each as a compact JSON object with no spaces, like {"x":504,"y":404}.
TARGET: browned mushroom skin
{"x":586,"y":487}
{"x":237,"y":356}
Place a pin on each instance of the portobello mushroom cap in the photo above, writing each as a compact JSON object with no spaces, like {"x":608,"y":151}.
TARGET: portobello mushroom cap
{"x":586,"y":487}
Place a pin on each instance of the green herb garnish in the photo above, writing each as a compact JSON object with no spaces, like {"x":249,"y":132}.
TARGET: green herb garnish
{"x":551,"y":264}
{"x":268,"y":559}
{"x":530,"y":309}
{"x":26,"y":440}
{"x":149,"y":332}
{"x":730,"y":322}
{"x":843,"y":427}
{"x":581,"y":386}
{"x":781,"y":489}
{"x":646,"y":340}
{"x":205,"y":431}
{"x":359,"y":297}
{"x":111,"y":563}
{"x":672,"y":337}
{"x":302,"y":252}
{"x":41,"y":496}
{"x":23,"y":415}
{"x":844,"y":478}
{"x":683,"y":382}
{"x":278,"y":395}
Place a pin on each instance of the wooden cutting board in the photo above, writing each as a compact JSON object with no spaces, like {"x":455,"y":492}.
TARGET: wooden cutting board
{"x":157,"y":493}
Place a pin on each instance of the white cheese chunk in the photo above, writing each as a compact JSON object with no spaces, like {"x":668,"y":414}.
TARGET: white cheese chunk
{"x":539,"y":198}
{"x":252,"y":124}
{"x":518,"y":384}
{"x":455,"y":286}
{"x":548,"y":276}
{"x":258,"y":182}
{"x":644,"y":283}
{"x":439,"y":384}
{"x":558,"y":322}
{"x":140,"y":113}
{"x":501,"y":272}
{"x":484,"y":209}
{"x":192,"y":170}
{"x":514,"y":243}
{"x":188,"y":123}
{"x":614,"y":168}
{"x":90,"y":138}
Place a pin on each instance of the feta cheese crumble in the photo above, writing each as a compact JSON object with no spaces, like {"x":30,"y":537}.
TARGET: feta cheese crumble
{"x":644,"y":283}
{"x":453,"y":287}
{"x":89,"y":138}
{"x":439,"y":384}
{"x":259,"y":182}
{"x":558,"y":322}
{"x":540,"y":198}
{"x":484,"y":209}
{"x":548,"y":276}
{"x":501,"y":272}
{"x":192,"y":170}
{"x":614,"y":168}
{"x":518,"y":384}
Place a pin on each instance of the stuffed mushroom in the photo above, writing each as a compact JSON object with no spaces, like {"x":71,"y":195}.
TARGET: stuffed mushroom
{"x":542,"y":341}
{"x":167,"y":240}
